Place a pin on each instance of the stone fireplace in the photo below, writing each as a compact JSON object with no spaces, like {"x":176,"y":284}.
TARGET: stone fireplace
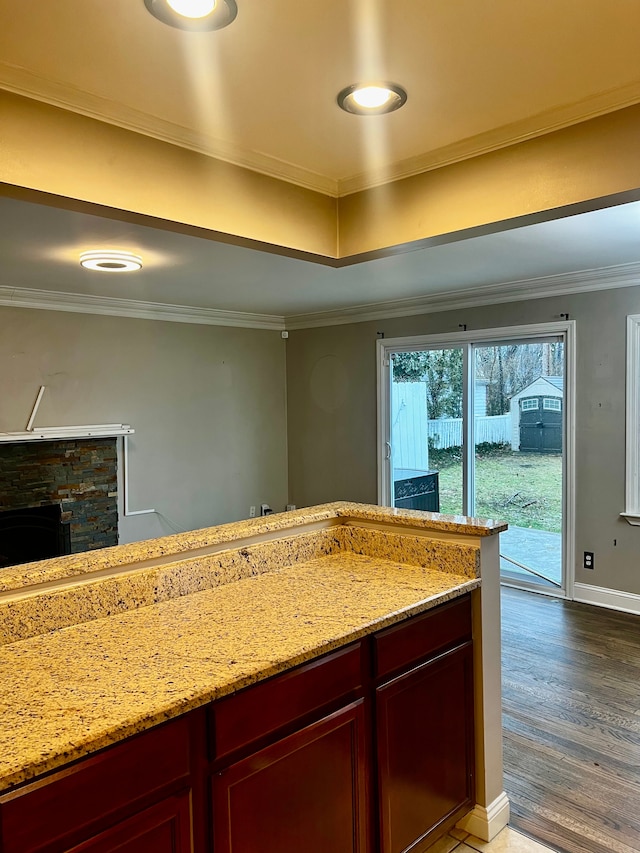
{"x":73,"y":484}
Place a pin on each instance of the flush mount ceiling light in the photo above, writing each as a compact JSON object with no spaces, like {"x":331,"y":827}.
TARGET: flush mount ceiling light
{"x":111,"y":261}
{"x":367,"y":99}
{"x":194,"y":15}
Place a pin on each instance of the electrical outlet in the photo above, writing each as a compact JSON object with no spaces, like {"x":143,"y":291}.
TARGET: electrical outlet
{"x":252,"y":512}
{"x":588,"y":560}
{"x":290,"y":507}
{"x":265,"y":509}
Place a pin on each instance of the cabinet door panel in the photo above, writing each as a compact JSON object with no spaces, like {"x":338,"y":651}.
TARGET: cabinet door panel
{"x":163,"y":828}
{"x":305,"y":792}
{"x":425,"y":748}
{"x":66,"y":804}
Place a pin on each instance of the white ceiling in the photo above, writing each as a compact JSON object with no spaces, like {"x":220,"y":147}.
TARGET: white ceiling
{"x":40,"y":246}
{"x":261,"y":93}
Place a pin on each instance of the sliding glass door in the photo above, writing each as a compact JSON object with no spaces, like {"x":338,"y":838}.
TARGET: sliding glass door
{"x":478,"y":427}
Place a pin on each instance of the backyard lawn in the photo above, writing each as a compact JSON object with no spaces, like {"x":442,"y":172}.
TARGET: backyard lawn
{"x":524,"y":489}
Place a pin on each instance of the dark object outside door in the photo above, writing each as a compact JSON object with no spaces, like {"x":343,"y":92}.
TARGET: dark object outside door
{"x":541,"y":424}
{"x":416,"y":489}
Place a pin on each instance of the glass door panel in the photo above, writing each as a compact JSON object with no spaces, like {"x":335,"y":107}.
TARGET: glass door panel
{"x":517,"y":401}
{"x":427,"y":432}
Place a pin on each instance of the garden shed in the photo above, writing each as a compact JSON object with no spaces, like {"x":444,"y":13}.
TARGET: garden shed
{"x":536,"y":416}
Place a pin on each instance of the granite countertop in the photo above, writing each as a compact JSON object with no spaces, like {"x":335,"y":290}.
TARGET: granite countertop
{"x":208,"y":539}
{"x":80,"y":688}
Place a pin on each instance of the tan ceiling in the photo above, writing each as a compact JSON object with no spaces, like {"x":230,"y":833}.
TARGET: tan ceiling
{"x":481,"y":74}
{"x":262,"y":91}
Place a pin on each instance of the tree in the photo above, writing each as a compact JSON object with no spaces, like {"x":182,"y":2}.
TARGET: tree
{"x":442,"y":372}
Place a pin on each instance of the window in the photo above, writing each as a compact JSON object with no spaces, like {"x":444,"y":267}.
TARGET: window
{"x":554,"y":404}
{"x":632,"y":508}
{"x":531,"y":403}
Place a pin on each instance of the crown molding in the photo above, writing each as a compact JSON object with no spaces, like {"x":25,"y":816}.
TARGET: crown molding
{"x":23,"y":82}
{"x":493,"y":140}
{"x":605,"y":278}
{"x":20,"y":81}
{"x":23,"y":297}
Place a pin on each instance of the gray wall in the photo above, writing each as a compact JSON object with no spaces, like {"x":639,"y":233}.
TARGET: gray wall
{"x":331,"y":382}
{"x":208,"y":405}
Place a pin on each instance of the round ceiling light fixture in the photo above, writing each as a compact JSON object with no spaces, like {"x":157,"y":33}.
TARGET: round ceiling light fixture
{"x":107,"y":261}
{"x":194,"y":15}
{"x":372,"y":99}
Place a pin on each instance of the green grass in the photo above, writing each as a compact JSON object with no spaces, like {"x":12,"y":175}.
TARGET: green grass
{"x":524,"y":489}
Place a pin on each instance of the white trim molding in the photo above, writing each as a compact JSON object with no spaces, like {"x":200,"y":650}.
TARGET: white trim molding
{"x":580,"y":281}
{"x":486,"y":823}
{"x":22,"y":81}
{"x":62,"y":433}
{"x":59,"y":93}
{"x":81,"y":303}
{"x":613,"y":599}
{"x":632,"y":484}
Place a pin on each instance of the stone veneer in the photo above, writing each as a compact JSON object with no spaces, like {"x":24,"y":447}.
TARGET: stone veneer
{"x":80,"y":475}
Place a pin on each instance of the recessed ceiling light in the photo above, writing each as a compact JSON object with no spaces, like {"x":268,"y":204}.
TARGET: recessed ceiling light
{"x":194,"y":15}
{"x":193,"y":8}
{"x":368,"y":99}
{"x":111,"y":261}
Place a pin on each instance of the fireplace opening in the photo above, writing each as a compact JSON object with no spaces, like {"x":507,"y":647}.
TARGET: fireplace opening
{"x":33,"y":533}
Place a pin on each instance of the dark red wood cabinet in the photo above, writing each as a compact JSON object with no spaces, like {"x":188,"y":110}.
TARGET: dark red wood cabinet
{"x":146,"y":793}
{"x":424,"y":726}
{"x":163,"y":828}
{"x":367,"y":749}
{"x":304,"y":792}
{"x":424,"y":747}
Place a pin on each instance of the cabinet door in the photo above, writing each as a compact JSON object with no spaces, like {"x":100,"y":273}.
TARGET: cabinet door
{"x":306,"y":792}
{"x":163,"y":828}
{"x":424,"y":736}
{"x":78,"y":802}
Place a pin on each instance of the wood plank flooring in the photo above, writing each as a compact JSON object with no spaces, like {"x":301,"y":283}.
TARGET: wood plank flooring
{"x":571,"y":712}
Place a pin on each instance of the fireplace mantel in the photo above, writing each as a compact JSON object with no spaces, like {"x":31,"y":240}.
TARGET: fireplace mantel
{"x":60,"y":433}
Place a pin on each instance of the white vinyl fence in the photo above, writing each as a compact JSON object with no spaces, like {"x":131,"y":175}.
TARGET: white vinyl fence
{"x":447,"y":432}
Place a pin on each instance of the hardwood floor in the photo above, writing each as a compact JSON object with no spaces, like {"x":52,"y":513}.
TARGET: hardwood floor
{"x":571,"y":700}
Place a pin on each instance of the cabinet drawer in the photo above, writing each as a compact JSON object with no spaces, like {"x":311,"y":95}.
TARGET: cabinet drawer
{"x":423,"y":636}
{"x":64,"y":804}
{"x":265,"y":708}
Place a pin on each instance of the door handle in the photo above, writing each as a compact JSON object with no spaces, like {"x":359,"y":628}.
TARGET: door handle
{"x":388,"y":447}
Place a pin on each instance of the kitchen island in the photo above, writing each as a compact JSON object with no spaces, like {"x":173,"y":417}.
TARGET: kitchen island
{"x":290,"y":671}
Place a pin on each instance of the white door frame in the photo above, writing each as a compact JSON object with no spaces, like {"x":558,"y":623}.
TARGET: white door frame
{"x":385,"y":346}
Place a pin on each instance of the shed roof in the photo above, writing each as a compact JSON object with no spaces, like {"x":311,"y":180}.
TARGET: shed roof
{"x":556,"y":382}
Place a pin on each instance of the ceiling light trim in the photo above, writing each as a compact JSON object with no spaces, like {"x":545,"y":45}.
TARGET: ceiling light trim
{"x":77,"y":303}
{"x":348,"y":99}
{"x":580,"y":281}
{"x":223,"y":14}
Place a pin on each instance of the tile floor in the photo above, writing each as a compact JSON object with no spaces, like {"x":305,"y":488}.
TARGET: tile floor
{"x":507,"y":841}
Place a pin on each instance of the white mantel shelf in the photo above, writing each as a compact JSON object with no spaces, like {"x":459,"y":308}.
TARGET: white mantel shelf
{"x":66,"y":432}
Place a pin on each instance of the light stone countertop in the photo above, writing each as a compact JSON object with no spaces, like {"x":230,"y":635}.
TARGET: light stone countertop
{"x":208,"y":538}
{"x":80,"y":688}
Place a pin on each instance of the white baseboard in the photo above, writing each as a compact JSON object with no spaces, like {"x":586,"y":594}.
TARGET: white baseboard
{"x":601,"y":596}
{"x":486,"y":822}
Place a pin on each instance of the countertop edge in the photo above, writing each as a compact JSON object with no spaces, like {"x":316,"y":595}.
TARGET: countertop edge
{"x":179,"y":544}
